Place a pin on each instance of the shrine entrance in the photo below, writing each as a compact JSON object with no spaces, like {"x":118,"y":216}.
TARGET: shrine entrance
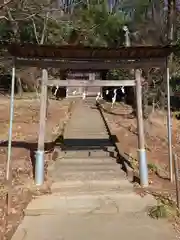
{"x":89,"y":59}
{"x":78,"y":91}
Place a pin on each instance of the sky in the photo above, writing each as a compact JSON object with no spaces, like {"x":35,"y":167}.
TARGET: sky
{"x":177,"y":4}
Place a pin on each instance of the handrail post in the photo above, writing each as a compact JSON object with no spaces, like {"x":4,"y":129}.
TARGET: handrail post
{"x":143,"y":169}
{"x":39,"y":167}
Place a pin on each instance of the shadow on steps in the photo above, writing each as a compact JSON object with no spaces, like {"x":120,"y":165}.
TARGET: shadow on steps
{"x":121,"y":159}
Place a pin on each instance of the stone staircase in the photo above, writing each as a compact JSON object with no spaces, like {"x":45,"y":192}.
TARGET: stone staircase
{"x":86,"y":135}
{"x":91,"y":196}
{"x":86,"y":167}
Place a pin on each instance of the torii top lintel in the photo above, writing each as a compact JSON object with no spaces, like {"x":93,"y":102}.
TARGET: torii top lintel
{"x":89,"y":56}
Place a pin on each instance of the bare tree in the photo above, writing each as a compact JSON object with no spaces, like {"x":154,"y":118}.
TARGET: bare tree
{"x":15,"y":12}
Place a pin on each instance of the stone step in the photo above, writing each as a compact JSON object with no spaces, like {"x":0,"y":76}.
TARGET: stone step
{"x":84,"y":113}
{"x":91,"y":187}
{"x":85,"y":154}
{"x":87,"y":167}
{"x":80,"y":125}
{"x":86,"y":136}
{"x":106,"y":148}
{"x":90,"y":131}
{"x":84,"y":120}
{"x":87,"y":132}
{"x":82,"y":152}
{"x":89,"y":172}
{"x":92,"y":143}
{"x":94,"y":183}
{"x":78,"y":161}
{"x":94,"y":204}
{"x":89,"y":142}
{"x":58,"y":175}
{"x":93,"y":190}
{"x":81,"y":128}
{"x":84,"y":124}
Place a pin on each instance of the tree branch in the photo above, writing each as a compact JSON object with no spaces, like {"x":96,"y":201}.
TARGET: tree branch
{"x":5,"y":4}
{"x":35,"y":30}
{"x":44,"y":28}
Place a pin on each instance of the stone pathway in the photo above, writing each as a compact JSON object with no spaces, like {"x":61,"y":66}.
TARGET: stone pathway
{"x":91,"y":196}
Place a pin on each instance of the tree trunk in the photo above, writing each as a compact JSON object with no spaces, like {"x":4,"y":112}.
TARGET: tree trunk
{"x":162,"y":95}
{"x":19,"y":87}
{"x":171,"y":18}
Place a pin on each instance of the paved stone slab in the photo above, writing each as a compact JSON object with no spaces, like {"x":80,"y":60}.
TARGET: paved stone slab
{"x":97,"y":175}
{"x":70,"y":188}
{"x":57,"y":203}
{"x":93,"y":226}
{"x":89,"y":168}
{"x":85,"y":153}
{"x":79,"y":161}
{"x":123,"y":183}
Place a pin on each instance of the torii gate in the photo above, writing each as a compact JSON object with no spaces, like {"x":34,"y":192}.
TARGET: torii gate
{"x":89,"y":59}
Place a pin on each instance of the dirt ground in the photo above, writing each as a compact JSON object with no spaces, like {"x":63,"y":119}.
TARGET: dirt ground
{"x":25,"y":134}
{"x":124,"y":127}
